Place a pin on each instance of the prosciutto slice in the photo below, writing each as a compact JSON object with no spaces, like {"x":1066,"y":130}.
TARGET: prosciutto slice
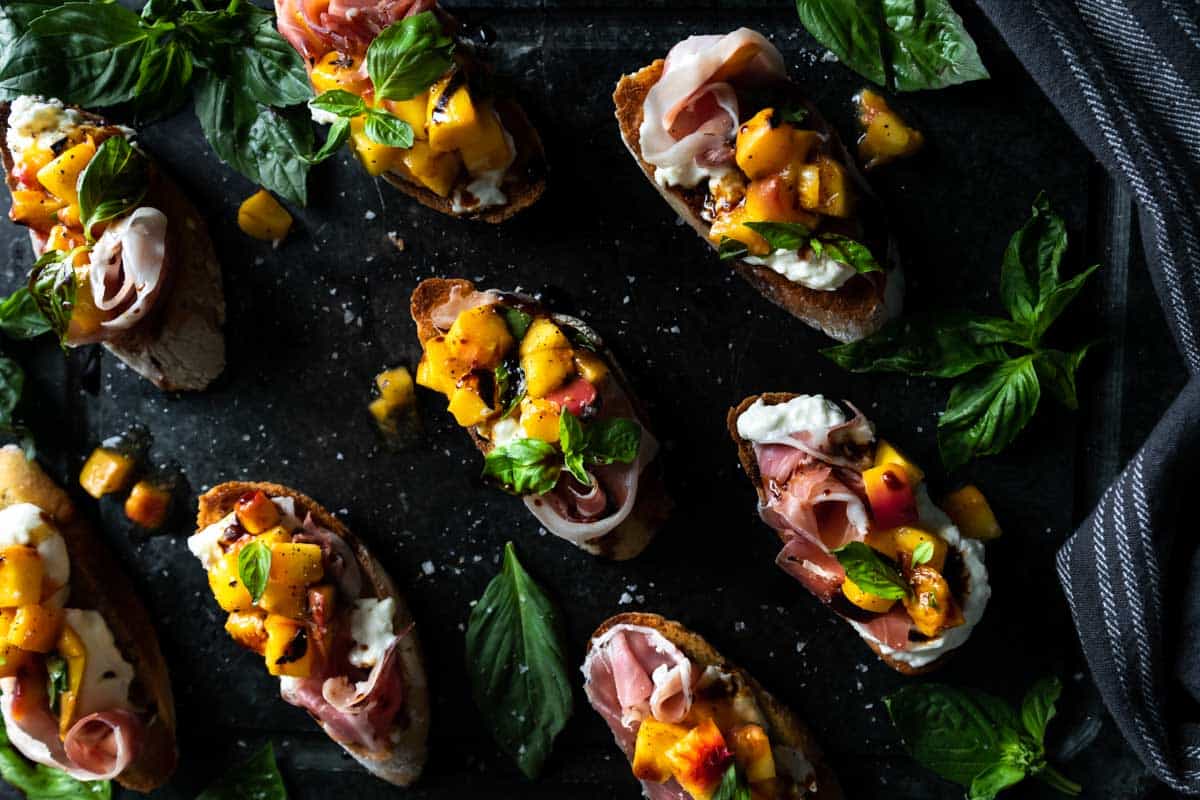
{"x":336,"y":556}
{"x":127,"y":266}
{"x":815,"y":501}
{"x":315,"y":27}
{"x":358,"y":714}
{"x":691,"y":113}
{"x":97,"y":747}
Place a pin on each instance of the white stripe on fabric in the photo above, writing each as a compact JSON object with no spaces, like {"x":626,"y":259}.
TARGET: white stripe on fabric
{"x":1183,"y":18}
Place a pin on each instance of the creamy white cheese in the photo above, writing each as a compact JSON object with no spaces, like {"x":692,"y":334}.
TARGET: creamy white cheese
{"x":106,"y":674}
{"x":775,"y":424}
{"x":206,"y":544}
{"x":287,"y":512}
{"x":688,"y":174}
{"x":371,"y":629}
{"x":506,"y":430}
{"x":816,"y":271}
{"x":484,"y":187}
{"x":918,"y":654}
{"x":322,"y":117}
{"x":25,"y":524}
{"x":36,"y":121}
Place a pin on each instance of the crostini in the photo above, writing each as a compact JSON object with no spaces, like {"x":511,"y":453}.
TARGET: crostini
{"x":690,"y":722}
{"x":544,"y":401}
{"x":844,"y":503}
{"x":740,"y":154}
{"x":473,"y":154}
{"x":123,"y":258}
{"x":302,"y":591}
{"x":83,"y":685}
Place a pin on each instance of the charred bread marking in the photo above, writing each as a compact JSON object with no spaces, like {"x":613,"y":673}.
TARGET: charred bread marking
{"x":706,"y":688}
{"x":475,"y":155}
{"x":97,"y":583}
{"x":437,"y":305}
{"x":958,"y":559}
{"x":402,"y":755}
{"x":855,"y":309}
{"x":178,"y":343}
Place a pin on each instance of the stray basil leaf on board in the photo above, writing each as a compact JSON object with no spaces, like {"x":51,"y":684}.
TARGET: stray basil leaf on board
{"x":906,"y":45}
{"x":518,"y":666}
{"x":1002,"y":364}
{"x":975,"y":739}
{"x":257,"y":778}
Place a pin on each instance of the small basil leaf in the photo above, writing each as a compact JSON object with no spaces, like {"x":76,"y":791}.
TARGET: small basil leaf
{"x":1030,"y":267}
{"x":408,"y":56}
{"x":338,"y":133}
{"x":517,"y":665}
{"x":1037,"y":709}
{"x":524,"y":466}
{"x":20,"y":316}
{"x":940,"y":346}
{"x":258,"y":778}
{"x":52,"y":285}
{"x":571,"y":437}
{"x":922,"y":553}
{"x":56,"y":680}
{"x":732,"y":786}
{"x":731,"y":248}
{"x":869,"y":572}
{"x":254,"y":568}
{"x":1056,"y":370}
{"x":612,"y":440}
{"x":994,"y":779}
{"x":1054,"y":302}
{"x":845,"y":250}
{"x":383,"y":128}
{"x":339,"y":102}
{"x":782,"y":235}
{"x":517,"y":320}
{"x":573,"y":462}
{"x":987,"y":410}
{"x":113,"y":183}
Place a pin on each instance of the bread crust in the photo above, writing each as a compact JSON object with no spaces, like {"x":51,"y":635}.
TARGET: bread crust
{"x":749,"y":463}
{"x":403,"y":765}
{"x":652,"y":506}
{"x":99,"y":583}
{"x":179,"y":346}
{"x":853,"y":311}
{"x":785,"y":727}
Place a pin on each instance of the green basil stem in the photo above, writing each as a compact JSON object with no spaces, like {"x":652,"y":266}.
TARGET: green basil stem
{"x":233,"y":6}
{"x":1056,"y":780}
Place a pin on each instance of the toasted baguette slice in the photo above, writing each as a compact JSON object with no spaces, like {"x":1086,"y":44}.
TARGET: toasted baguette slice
{"x":403,"y":765}
{"x":99,"y":583}
{"x":853,"y":311}
{"x":750,"y":466}
{"x":652,"y":506}
{"x":179,"y":346}
{"x":784,"y":726}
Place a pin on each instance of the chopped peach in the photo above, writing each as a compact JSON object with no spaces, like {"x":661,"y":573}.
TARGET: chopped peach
{"x":247,"y":629}
{"x":887,"y":453}
{"x":899,"y":544}
{"x":890,"y":496}
{"x":35,"y":628}
{"x":931,"y":605}
{"x":479,"y":337}
{"x":106,"y":471}
{"x":865,"y":600}
{"x":148,"y":504}
{"x":752,"y":751}
{"x":256,"y":512}
{"x":971,"y":514}
{"x":654,"y":739}
{"x":699,"y":760}
{"x":20,"y":576}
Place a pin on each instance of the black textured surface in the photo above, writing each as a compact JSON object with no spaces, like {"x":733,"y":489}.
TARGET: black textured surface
{"x":312,"y":322}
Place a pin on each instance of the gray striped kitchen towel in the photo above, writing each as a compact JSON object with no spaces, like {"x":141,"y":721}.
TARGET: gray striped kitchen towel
{"x":1126,"y":75}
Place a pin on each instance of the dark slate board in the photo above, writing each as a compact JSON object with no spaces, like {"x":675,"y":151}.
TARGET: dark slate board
{"x":312,"y":322}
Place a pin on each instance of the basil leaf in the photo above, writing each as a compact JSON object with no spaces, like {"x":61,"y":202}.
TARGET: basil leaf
{"x":1056,"y":371}
{"x":517,"y":320}
{"x":573,"y":462}
{"x":732,"y":786}
{"x":20,"y":316}
{"x":338,"y":133}
{"x":254,"y":568}
{"x":1037,"y":709}
{"x":267,"y":67}
{"x":994,"y":779}
{"x":781,"y":235}
{"x":385,"y":129}
{"x":795,"y":115}
{"x":922,"y":553}
{"x":1052,"y":303}
{"x":56,"y":680}
{"x":869,"y":572}
{"x":408,"y":56}
{"x":112,"y":183}
{"x":987,"y":411}
{"x":15,"y":19}
{"x":12,"y":386}
{"x":163,"y":77}
{"x":845,"y":250}
{"x":38,"y":782}
{"x":523,"y":466}
{"x":940,"y":346}
{"x":518,"y":667}
{"x":995,"y":330}
{"x":88,"y":54}
{"x":731,"y":248}
{"x":610,"y":440}
{"x":571,"y":437}
{"x":902,"y":44}
{"x":256,"y":778}
{"x":339,"y":102}
{"x":52,"y":284}
{"x":1029,"y":271}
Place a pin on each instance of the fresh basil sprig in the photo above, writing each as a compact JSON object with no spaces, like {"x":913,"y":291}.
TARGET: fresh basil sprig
{"x":20,"y":317}
{"x":518,"y":321}
{"x":1000,"y":389}
{"x":905,"y":45}
{"x":52,"y":286}
{"x":524,"y":466}
{"x":922,"y":553}
{"x":408,"y":56}
{"x":796,"y":236}
{"x":975,"y":739}
{"x":254,"y":568}
{"x":517,"y":665}
{"x":380,"y":126}
{"x":39,"y":782}
{"x":733,"y":785}
{"x":113,"y":183}
{"x":257,"y":777}
{"x":870,"y":573}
